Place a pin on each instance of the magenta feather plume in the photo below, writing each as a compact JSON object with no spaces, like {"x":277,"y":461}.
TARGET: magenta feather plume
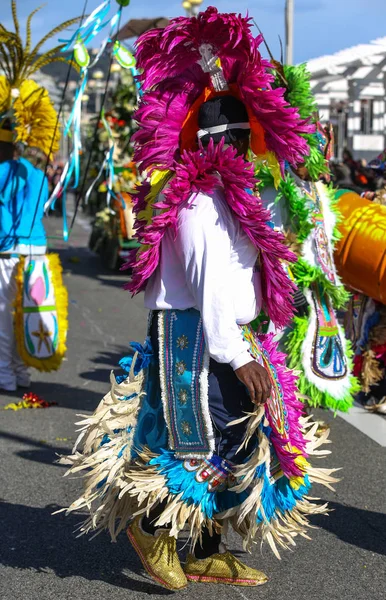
{"x":167,"y":53}
{"x":172,"y":80}
{"x":201,"y":171}
{"x":160,"y":117}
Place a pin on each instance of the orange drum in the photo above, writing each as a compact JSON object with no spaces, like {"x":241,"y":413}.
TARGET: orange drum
{"x":360,"y":255}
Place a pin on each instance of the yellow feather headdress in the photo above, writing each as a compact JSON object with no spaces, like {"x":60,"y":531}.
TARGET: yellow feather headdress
{"x":23,"y":103}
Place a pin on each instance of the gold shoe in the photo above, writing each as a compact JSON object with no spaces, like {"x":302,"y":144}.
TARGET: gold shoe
{"x":158,"y":554}
{"x":222,"y":568}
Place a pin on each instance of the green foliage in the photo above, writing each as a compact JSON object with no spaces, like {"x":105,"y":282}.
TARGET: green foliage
{"x":297,"y":208}
{"x":299,"y":92}
{"x":299,"y":95}
{"x":299,"y":213}
{"x":305,"y":275}
{"x":301,"y":224}
{"x":334,"y":201}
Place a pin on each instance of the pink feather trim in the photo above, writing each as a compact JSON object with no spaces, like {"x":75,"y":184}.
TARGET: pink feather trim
{"x":202,"y":171}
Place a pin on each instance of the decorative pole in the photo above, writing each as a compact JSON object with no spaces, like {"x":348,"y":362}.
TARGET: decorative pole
{"x":289,"y":31}
{"x":192,"y":7}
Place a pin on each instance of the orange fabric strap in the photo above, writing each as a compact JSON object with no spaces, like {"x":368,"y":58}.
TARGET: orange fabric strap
{"x":188,"y":137}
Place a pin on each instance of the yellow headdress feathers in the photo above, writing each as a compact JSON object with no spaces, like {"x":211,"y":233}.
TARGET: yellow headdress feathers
{"x":35,"y":118}
{"x":6,"y":136}
{"x":22,"y":101}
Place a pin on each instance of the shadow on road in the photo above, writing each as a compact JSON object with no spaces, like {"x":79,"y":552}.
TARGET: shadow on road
{"x":361,"y":528}
{"x":104,"y":358}
{"x":41,"y":451}
{"x":34,"y":539}
{"x":66,"y":396}
{"x":82,"y":262}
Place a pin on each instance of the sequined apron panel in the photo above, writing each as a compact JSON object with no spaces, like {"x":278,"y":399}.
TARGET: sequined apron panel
{"x":184,"y":363}
{"x":275,"y":403}
{"x":328,"y":359}
{"x":323,"y":252}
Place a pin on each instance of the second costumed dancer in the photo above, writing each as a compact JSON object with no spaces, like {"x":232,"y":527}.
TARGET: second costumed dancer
{"x":204,"y":430}
{"x":33,"y":299}
{"x":304,"y":208}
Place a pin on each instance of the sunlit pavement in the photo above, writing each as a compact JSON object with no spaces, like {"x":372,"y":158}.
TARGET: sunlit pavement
{"x":41,"y":557}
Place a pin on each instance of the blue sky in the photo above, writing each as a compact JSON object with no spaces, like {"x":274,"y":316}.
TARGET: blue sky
{"x":321,"y":26}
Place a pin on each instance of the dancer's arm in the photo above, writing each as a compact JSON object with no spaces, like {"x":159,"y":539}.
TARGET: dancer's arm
{"x":204,"y":240}
{"x":206,"y":232}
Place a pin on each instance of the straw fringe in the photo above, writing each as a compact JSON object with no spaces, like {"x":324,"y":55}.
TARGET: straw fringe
{"x":280,"y":532}
{"x":265,"y":507}
{"x":106,"y":438}
{"x":118,"y":488}
{"x":372,"y":371}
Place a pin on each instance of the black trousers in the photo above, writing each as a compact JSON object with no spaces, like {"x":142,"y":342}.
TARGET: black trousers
{"x":228,"y":401}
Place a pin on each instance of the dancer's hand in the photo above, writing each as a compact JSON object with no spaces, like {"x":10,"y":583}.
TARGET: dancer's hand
{"x":256,"y":380}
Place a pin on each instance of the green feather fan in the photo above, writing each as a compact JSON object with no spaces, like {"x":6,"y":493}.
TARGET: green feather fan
{"x":300,"y":96}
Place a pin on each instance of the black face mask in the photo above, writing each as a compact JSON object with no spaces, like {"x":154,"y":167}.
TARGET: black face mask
{"x":224,"y":110}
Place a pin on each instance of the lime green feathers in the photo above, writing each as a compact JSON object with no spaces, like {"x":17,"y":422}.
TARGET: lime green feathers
{"x":300,"y":96}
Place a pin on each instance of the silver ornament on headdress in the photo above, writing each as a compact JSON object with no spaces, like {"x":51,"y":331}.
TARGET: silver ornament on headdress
{"x":210,"y":63}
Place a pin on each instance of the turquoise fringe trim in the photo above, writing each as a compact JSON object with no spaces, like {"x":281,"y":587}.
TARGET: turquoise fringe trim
{"x":275,"y":496}
{"x":181,"y":481}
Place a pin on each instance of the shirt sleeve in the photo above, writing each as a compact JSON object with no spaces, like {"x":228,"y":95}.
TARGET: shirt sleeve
{"x":206,"y":231}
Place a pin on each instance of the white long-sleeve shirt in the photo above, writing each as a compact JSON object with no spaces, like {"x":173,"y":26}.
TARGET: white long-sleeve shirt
{"x":210,"y":266}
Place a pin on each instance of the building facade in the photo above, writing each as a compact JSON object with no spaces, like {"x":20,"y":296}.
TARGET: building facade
{"x":350,"y":88}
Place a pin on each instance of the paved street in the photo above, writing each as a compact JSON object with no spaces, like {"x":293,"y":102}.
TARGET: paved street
{"x":40,"y":556}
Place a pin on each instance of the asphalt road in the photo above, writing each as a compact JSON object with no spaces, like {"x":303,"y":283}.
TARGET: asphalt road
{"x":40,"y":556}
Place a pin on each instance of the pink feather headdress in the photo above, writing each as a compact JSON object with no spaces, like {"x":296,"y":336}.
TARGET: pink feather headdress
{"x":182,"y":66}
{"x":172,"y":60}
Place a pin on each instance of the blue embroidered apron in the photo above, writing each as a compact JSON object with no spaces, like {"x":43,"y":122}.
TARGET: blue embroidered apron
{"x":179,"y":391}
{"x":175,"y":413}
